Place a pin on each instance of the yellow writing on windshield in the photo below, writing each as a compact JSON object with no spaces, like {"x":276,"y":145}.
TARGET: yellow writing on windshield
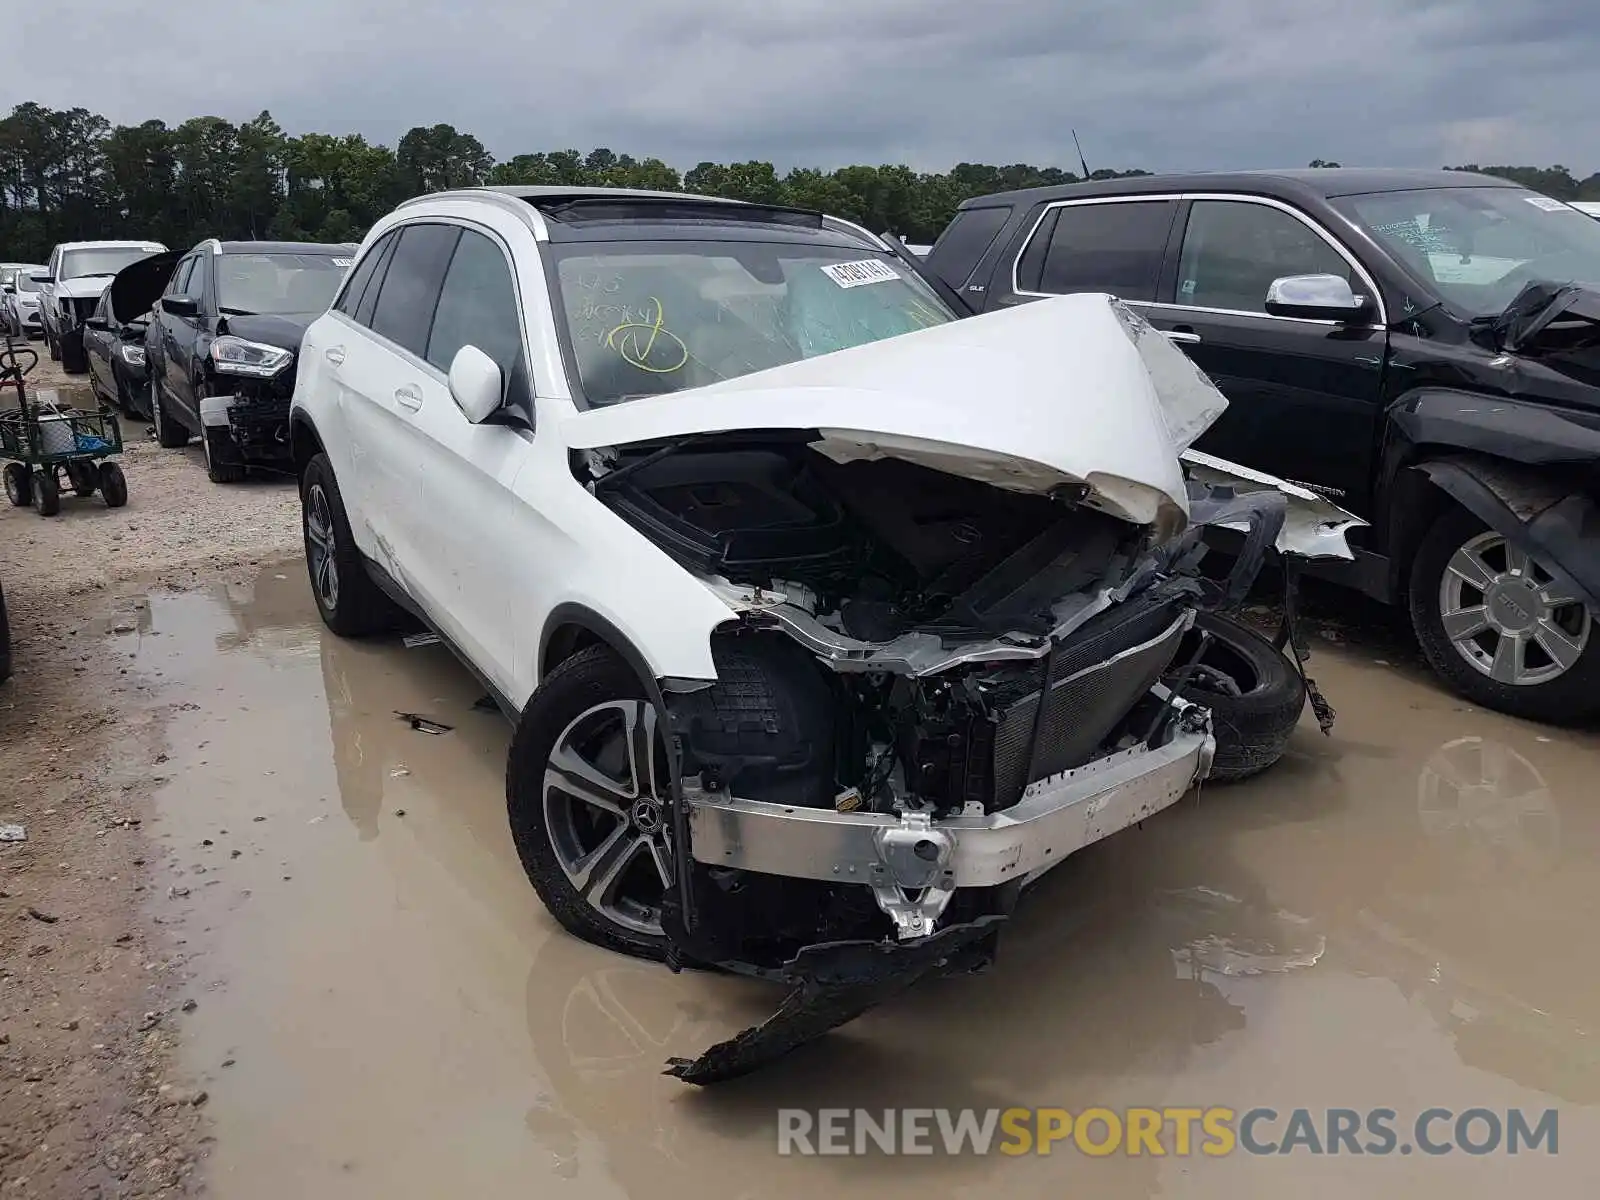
{"x":648,"y":345}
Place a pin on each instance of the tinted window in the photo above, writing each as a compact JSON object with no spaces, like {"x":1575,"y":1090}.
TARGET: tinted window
{"x":477,"y":306}
{"x":277,"y":283}
{"x":369,"y":298}
{"x":180,"y":278}
{"x":411,"y":285}
{"x":195,"y":286}
{"x":1031,"y":265}
{"x":1112,"y":248}
{"x":1233,"y":250}
{"x":962,"y":246}
{"x":361,"y":275}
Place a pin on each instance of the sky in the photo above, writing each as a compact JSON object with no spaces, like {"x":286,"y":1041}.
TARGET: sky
{"x":1184,"y":85}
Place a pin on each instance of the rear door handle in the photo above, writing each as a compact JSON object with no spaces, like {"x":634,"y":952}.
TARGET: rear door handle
{"x":334,"y":354}
{"x":1182,"y":335}
{"x":409,"y":397}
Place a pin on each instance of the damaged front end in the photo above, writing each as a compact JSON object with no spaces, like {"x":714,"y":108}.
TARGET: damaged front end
{"x":940,"y":678}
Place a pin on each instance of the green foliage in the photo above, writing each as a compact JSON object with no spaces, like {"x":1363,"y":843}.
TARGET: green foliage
{"x":69,"y":175}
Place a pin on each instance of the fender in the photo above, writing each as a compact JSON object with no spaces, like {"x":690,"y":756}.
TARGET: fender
{"x":1529,"y":432}
{"x":1559,"y":527}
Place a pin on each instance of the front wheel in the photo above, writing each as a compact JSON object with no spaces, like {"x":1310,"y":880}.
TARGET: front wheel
{"x":1499,"y":627}
{"x":349,"y":602}
{"x":73,"y":359}
{"x":586,"y":793}
{"x":224,"y":463}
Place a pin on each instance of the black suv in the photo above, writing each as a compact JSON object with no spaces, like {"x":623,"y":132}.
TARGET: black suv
{"x":226,"y":319}
{"x":1406,"y":342}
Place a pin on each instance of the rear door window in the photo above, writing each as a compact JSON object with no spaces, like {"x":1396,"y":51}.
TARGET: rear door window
{"x":961,"y":247}
{"x":410,"y":290}
{"x":1234,"y":249}
{"x":1104,"y":247}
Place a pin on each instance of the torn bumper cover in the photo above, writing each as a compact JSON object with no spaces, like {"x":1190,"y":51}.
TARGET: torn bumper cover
{"x":914,"y":866}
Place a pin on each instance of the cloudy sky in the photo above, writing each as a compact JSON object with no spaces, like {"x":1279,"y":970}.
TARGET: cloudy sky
{"x":1185,"y":84}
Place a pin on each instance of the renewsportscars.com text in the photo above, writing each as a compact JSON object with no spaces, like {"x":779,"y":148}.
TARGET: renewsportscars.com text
{"x":1213,"y":1132}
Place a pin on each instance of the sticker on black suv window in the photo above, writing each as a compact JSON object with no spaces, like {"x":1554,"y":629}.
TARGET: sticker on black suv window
{"x":855,"y":274}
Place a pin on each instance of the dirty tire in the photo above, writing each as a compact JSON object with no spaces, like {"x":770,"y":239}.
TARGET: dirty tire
{"x":46,"y":494}
{"x":170,"y":433}
{"x":74,"y":360}
{"x":1252,"y":729}
{"x":1571,"y":698}
{"x":53,"y":348}
{"x":354,"y":606}
{"x":19,"y":485}
{"x":84,"y":478}
{"x":590,"y":677}
{"x":113,"y":485}
{"x":224,"y":463}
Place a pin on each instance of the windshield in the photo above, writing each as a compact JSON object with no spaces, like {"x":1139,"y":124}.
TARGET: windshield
{"x":103,"y":260}
{"x":644,"y":318}
{"x":1481,"y":246}
{"x":278,"y":283}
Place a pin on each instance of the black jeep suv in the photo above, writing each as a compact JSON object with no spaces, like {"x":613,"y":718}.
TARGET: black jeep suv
{"x":1417,"y":345}
{"x":226,"y":319}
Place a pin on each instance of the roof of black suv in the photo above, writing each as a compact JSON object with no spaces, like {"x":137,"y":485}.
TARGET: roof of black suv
{"x":1311,"y":182}
{"x":286,"y":247}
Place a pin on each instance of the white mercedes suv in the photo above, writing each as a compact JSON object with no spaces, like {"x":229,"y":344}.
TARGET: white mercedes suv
{"x":827,"y":620}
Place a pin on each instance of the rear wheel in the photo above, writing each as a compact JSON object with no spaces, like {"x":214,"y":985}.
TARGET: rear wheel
{"x":1499,"y":627}
{"x":113,"y":485}
{"x":350,"y":603}
{"x":19,"y":485}
{"x":169,"y":433}
{"x":84,"y":477}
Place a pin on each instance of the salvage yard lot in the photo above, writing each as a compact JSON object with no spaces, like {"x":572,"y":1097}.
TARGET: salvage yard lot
{"x":222,"y":808}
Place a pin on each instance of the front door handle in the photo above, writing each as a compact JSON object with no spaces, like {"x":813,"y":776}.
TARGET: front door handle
{"x":334,"y":354}
{"x":1186,"y":336}
{"x":409,"y":397}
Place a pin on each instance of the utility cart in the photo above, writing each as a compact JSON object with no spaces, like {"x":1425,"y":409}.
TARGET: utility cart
{"x":53,"y":446}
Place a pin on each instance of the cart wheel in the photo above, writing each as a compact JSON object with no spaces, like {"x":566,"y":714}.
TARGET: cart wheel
{"x":46,"y":493}
{"x":82,"y":476}
{"x":113,"y":485}
{"x":19,"y":485}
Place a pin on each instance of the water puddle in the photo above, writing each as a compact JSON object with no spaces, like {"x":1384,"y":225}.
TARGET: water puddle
{"x":1398,"y":916}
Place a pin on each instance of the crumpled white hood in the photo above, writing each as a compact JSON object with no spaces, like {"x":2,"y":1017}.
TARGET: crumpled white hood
{"x":1071,"y":390}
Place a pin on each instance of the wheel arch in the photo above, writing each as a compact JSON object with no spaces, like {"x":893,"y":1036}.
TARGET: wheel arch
{"x":305,"y":442}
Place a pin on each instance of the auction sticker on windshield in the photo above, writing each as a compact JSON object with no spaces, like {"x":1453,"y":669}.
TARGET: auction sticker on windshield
{"x":1549,"y":204}
{"x":855,"y":274}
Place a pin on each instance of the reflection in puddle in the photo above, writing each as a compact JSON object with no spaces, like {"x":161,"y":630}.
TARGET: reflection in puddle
{"x":1402,"y":924}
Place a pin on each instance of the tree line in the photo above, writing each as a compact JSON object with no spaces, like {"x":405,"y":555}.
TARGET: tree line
{"x":68,"y":175}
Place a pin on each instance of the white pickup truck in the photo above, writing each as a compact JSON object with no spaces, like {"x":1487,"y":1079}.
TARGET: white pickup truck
{"x":70,"y":288}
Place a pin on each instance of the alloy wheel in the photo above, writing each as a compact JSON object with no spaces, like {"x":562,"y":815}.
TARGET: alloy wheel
{"x":1508,"y":617}
{"x":320,"y":547}
{"x":605,"y":810}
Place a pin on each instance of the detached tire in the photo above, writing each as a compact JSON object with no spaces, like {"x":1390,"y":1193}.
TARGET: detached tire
{"x":224,"y":463}
{"x":1254,"y":693}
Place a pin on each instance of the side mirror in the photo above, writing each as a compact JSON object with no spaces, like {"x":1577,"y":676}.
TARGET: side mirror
{"x":42,"y":277}
{"x":1315,"y":298}
{"x":99,"y":323}
{"x":8,"y":289}
{"x":180,"y":306}
{"x":475,"y":383}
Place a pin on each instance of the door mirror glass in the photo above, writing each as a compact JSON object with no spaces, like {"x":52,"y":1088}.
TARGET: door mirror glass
{"x":475,"y":383}
{"x":180,"y":306}
{"x":1315,"y":297}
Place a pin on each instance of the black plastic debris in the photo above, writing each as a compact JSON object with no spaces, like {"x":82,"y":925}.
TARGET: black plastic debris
{"x":485,"y":704}
{"x":423,"y":724}
{"x":833,"y":983}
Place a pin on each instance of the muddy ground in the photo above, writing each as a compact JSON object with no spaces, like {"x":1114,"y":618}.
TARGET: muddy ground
{"x":223,"y":809}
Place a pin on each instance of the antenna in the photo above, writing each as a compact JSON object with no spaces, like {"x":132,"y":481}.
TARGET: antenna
{"x":1081,"y":162}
